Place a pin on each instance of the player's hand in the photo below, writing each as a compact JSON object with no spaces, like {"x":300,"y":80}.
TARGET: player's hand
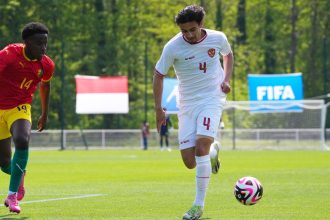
{"x":225,"y":86}
{"x":160,"y":118}
{"x":42,"y":121}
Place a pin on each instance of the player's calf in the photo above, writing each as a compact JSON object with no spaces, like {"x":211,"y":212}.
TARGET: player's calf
{"x":21,"y":189}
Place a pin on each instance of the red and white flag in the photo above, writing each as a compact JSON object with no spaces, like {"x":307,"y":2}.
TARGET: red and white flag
{"x":101,"y":94}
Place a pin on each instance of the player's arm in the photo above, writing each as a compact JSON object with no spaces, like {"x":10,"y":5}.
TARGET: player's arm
{"x":44,"y":96}
{"x":158,"y":92}
{"x":228,"y":63}
{"x":165,"y":61}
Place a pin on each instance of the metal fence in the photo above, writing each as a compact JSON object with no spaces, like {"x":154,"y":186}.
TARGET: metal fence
{"x":245,"y":139}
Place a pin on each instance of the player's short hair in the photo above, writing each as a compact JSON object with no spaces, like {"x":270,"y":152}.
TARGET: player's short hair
{"x":33,"y":28}
{"x":190,"y":13}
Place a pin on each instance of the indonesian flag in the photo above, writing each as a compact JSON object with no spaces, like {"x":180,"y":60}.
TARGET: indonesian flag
{"x":101,"y":94}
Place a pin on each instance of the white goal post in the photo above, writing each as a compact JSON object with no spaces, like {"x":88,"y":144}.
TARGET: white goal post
{"x":279,"y":125}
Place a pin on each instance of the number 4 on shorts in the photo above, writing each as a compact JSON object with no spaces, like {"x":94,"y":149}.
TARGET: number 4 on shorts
{"x":207,"y":122}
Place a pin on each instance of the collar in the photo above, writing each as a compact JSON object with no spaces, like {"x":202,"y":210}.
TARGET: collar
{"x":24,"y":54}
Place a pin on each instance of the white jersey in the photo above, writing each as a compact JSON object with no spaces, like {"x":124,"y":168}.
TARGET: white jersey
{"x":197,"y":67}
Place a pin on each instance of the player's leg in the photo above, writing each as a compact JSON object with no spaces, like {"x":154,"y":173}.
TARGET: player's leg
{"x":5,"y":145}
{"x":19,"y":124}
{"x":207,"y":126}
{"x":203,"y":168}
{"x":20,"y":130}
{"x":200,"y":153}
{"x":188,"y":157}
{"x":5,"y":155}
{"x":187,"y":139}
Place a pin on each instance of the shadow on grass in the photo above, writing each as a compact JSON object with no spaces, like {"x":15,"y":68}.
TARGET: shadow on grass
{"x":11,"y":217}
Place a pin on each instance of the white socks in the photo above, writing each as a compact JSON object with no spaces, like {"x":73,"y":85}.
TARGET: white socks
{"x":203,"y":172}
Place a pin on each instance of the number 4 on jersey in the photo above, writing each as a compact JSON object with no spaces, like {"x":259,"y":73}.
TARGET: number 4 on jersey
{"x":207,"y":123}
{"x":202,"y":66}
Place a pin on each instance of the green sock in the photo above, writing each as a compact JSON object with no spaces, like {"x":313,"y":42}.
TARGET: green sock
{"x":6,"y":169}
{"x":18,"y":165}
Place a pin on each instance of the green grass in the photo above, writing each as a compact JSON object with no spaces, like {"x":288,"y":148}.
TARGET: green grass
{"x":151,"y":184}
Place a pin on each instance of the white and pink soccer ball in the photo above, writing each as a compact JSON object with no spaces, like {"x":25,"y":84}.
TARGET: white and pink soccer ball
{"x":248,"y":190}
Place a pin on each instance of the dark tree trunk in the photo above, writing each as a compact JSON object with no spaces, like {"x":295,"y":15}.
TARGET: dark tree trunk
{"x":293,"y":49}
{"x":241,"y":22}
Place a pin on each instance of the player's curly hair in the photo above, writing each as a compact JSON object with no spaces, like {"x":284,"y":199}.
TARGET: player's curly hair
{"x":33,"y":28}
{"x":190,"y":13}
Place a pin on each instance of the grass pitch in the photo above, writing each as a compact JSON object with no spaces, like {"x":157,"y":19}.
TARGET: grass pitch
{"x":135,"y":184}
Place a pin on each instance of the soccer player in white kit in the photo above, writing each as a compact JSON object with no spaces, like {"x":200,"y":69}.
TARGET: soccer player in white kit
{"x":203,"y":84}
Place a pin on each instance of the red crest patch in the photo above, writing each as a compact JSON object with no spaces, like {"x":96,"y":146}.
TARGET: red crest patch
{"x":211,"y":52}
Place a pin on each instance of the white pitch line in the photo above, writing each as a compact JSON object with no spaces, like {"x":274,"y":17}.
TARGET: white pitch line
{"x":65,"y":198}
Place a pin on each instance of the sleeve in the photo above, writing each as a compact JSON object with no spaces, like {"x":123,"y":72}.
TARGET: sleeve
{"x":165,"y":61}
{"x":5,"y":57}
{"x":49,"y":68}
{"x":225,"y":48}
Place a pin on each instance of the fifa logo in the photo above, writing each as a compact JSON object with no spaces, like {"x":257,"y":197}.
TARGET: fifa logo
{"x":275,"y":92}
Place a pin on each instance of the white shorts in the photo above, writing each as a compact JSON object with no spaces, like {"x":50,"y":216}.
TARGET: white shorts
{"x":202,"y":120}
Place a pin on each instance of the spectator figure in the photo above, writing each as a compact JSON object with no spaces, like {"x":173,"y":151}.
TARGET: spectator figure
{"x":145,"y":134}
{"x":164,"y":132}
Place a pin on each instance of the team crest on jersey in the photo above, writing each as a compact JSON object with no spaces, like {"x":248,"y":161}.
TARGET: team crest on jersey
{"x":211,"y":52}
{"x":40,"y":73}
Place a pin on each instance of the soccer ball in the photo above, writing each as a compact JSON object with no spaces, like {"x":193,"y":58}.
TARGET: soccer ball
{"x":248,"y":190}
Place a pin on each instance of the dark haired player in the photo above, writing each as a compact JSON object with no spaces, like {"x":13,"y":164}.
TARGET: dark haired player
{"x":203,"y":84}
{"x":22,"y":68}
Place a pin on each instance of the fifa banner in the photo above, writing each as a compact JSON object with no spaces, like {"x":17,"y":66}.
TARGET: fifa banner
{"x":170,"y":94}
{"x":274,"y":88}
{"x":101,"y":94}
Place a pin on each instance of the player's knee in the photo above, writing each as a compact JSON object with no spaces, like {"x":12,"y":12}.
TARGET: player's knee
{"x":21,"y":142}
{"x":202,"y":151}
{"x":203,"y":147}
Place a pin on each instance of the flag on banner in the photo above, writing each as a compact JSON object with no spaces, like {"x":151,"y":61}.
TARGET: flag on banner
{"x":101,"y":94}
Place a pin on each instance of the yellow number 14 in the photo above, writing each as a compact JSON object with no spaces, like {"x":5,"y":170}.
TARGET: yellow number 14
{"x":26,"y":84}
